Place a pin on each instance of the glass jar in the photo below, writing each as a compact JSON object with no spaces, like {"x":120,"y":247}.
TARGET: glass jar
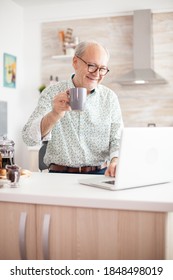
{"x":7,"y":151}
{"x":13,"y":174}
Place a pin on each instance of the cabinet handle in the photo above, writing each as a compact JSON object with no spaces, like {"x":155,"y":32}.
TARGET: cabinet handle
{"x":22,"y":235}
{"x":46,"y":226}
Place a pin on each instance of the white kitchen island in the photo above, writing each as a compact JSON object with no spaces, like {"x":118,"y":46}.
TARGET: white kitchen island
{"x":52,"y":216}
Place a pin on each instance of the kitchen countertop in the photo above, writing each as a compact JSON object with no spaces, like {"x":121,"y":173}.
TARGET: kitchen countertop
{"x":64,"y":190}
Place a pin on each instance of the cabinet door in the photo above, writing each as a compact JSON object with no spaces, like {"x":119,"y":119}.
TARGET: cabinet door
{"x":56,"y":232}
{"x":17,"y":231}
{"x":116,"y":234}
{"x":84,"y":233}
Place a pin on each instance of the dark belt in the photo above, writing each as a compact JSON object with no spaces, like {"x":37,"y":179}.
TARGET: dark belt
{"x":82,"y":169}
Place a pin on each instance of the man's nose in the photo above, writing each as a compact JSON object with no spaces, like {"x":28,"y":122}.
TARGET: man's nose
{"x":97,"y":72}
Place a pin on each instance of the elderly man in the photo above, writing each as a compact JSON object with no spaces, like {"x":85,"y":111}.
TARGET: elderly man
{"x":79,"y":142}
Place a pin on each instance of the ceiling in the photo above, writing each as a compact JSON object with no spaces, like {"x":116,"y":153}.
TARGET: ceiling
{"x":33,"y":3}
{"x":134,"y":4}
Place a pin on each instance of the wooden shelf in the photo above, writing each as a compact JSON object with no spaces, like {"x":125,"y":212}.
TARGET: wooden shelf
{"x":61,"y":56}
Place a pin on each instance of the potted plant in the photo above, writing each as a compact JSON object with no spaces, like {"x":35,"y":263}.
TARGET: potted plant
{"x":41,"y":88}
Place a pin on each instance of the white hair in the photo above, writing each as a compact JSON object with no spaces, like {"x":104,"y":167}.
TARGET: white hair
{"x":82,"y":46}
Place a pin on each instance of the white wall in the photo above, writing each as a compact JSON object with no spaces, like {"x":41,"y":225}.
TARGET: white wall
{"x":11,"y":37}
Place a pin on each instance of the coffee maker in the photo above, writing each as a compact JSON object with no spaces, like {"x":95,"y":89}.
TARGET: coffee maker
{"x":6,"y":151}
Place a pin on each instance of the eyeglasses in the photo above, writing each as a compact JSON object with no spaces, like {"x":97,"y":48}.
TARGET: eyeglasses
{"x":92,"y":67}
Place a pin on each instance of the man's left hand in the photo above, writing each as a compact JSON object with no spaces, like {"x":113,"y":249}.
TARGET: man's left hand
{"x":111,"y":170}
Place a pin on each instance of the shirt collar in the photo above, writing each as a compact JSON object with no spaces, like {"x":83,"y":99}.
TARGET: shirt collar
{"x":91,"y":92}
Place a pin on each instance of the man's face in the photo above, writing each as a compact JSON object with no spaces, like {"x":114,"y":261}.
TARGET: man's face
{"x":96,"y":56}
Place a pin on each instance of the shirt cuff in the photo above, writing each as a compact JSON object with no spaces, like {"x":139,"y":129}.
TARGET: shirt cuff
{"x":35,"y":132}
{"x":114,"y":154}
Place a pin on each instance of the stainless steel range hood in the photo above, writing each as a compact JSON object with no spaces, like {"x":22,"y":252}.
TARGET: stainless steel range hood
{"x":142,"y":72}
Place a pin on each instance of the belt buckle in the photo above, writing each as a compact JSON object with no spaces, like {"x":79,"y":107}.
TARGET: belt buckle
{"x":80,"y":169}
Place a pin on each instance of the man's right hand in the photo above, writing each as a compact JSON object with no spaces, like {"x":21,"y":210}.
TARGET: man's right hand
{"x":60,"y":104}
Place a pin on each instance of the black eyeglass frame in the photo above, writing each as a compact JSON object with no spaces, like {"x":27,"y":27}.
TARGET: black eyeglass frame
{"x":94,"y":65}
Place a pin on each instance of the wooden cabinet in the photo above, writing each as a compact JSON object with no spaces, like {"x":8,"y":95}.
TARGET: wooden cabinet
{"x":59,"y":232}
{"x":17,"y":231}
{"x":88,"y":233}
{"x":133,"y":228}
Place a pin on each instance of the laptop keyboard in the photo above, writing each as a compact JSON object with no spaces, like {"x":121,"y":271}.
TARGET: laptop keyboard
{"x":112,"y":182}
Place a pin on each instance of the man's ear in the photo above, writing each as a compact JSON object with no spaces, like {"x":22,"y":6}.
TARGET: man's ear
{"x":74,"y":62}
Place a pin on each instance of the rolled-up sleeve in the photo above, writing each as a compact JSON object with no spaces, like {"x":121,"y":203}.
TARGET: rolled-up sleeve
{"x":31,"y":132}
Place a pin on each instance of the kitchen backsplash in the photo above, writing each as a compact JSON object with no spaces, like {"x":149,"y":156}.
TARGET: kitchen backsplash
{"x":141,"y":104}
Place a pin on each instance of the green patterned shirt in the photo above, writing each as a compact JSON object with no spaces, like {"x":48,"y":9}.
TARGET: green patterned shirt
{"x":86,"y":138}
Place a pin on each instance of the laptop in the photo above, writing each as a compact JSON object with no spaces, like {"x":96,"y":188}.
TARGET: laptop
{"x":145,"y":159}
